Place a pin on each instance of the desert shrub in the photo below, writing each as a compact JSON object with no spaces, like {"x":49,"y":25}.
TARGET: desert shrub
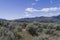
{"x":50,"y":26}
{"x":58,"y":27}
{"x":40,"y":30}
{"x":17,"y":36}
{"x":54,"y":26}
{"x":50,"y":31}
{"x":41,"y":37}
{"x":44,"y":26}
{"x":24,"y":25}
{"x":6,"y":34}
{"x":1,"y":23}
{"x":36,"y":23}
{"x":18,"y":29}
{"x":32,"y":29}
{"x":57,"y":33}
{"x":3,"y":31}
{"x":15,"y":27}
{"x":11,"y":28}
{"x":40,"y":26}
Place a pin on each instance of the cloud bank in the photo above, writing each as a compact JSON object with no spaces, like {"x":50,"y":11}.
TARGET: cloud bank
{"x":43,"y":9}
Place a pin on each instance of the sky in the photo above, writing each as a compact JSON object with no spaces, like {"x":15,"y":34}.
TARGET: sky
{"x":15,"y":9}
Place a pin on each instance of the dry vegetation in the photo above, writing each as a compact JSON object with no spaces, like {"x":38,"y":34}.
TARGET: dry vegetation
{"x":10,"y":30}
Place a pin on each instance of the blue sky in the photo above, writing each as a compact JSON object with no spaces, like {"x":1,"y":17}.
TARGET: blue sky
{"x":14,"y":9}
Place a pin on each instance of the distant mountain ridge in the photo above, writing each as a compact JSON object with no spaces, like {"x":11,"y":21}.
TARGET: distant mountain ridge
{"x":3,"y":19}
{"x":41,"y":19}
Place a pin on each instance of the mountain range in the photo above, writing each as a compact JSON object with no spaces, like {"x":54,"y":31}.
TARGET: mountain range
{"x":41,"y":19}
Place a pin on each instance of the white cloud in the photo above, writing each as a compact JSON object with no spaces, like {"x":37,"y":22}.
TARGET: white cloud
{"x":31,"y":10}
{"x":50,"y":9}
{"x":27,"y":14}
{"x":43,"y":9}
